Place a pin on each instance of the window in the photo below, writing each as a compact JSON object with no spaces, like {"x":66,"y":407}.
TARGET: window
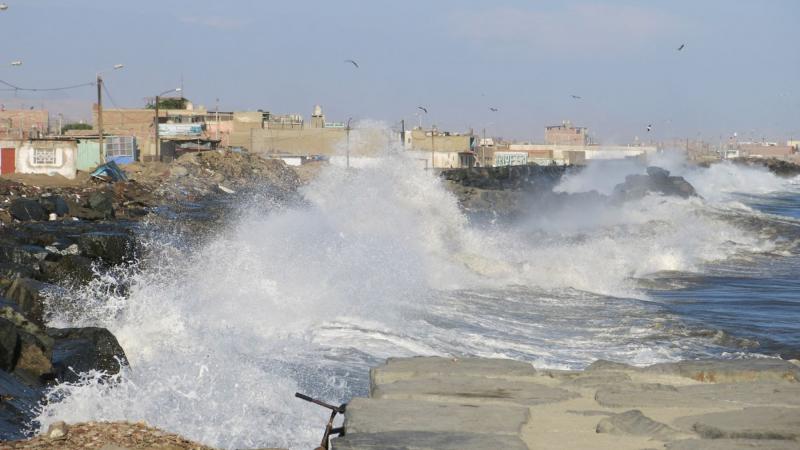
{"x":44,"y":156}
{"x":120,"y":146}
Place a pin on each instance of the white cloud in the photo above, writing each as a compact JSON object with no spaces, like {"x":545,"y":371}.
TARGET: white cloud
{"x":574,"y":28}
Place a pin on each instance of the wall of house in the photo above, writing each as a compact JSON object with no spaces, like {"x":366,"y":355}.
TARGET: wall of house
{"x":421,"y":140}
{"x":566,"y":135}
{"x":319,"y":141}
{"x":16,"y":122}
{"x":765,"y":151}
{"x":64,"y":160}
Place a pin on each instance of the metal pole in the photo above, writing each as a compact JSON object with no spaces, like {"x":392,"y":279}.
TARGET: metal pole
{"x":433,"y":148}
{"x":483,"y":149}
{"x":158,"y":147}
{"x":101,"y":159}
{"x":348,"y":144}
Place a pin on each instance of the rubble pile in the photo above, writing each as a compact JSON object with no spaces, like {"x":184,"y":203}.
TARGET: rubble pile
{"x":104,"y":435}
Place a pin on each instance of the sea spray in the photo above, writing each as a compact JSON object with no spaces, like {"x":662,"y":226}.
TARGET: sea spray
{"x":377,"y":262}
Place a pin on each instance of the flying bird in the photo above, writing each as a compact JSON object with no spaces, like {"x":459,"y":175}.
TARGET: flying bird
{"x":492,"y":109}
{"x":576,"y":97}
{"x":355,"y":64}
{"x":423,"y":108}
{"x":649,"y":127}
{"x":681,"y":47}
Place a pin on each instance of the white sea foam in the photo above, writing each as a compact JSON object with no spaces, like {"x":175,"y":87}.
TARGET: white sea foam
{"x":380,"y":262}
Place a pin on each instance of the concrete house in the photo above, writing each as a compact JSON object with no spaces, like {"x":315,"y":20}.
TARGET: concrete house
{"x":47,"y":156}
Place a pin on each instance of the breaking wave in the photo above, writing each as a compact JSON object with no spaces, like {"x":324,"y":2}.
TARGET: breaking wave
{"x":380,"y":262}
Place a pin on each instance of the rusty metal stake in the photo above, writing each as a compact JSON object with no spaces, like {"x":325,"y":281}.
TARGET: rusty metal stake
{"x":329,"y":430}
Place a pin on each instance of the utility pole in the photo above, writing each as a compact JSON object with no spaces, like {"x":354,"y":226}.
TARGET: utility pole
{"x":483,"y":149}
{"x":158,"y":144}
{"x":403,"y":132}
{"x":100,"y":117}
{"x":347,"y":160}
{"x":60,"y":124}
{"x":433,"y":147}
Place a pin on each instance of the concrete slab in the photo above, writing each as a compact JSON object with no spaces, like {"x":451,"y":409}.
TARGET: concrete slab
{"x":635,"y":423}
{"x":378,"y":415}
{"x":401,"y":440}
{"x":733,"y":444}
{"x":779,"y":393}
{"x":476,"y":389}
{"x":397,"y":369}
{"x":749,"y":423}
{"x":730,"y":371}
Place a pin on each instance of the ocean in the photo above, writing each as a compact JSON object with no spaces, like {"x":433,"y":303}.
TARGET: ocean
{"x":381,"y":262}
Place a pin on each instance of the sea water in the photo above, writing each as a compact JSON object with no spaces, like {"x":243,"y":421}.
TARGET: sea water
{"x":381,"y":262}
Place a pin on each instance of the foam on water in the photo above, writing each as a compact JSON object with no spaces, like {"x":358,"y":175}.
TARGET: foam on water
{"x":379,"y":262}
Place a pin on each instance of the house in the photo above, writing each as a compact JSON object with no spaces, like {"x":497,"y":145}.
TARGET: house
{"x":566,"y":134}
{"x":19,"y":124}
{"x":46,"y":156}
{"x":441,"y":149}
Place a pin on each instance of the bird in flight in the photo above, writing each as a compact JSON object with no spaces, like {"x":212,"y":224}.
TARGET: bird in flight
{"x":423,"y":108}
{"x":355,"y":64}
{"x":576,"y":97}
{"x":649,"y":127}
{"x":493,"y":109}
{"x":681,"y":47}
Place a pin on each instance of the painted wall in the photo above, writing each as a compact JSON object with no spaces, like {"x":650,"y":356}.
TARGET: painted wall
{"x":64,"y":162}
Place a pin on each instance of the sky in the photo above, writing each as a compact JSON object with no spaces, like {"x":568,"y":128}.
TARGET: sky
{"x":739,"y":71}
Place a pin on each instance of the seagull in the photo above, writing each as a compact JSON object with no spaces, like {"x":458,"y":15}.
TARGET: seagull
{"x":492,"y":109}
{"x":576,"y":97}
{"x":649,"y":127}
{"x":355,"y":64}
{"x":423,"y":108}
{"x":681,"y":47}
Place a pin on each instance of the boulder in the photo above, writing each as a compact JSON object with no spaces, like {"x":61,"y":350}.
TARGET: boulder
{"x":103,"y":203}
{"x":29,"y":296}
{"x":17,"y":408}
{"x":60,"y":268}
{"x":34,"y":348}
{"x":730,"y":371}
{"x":656,"y":181}
{"x":78,"y":350}
{"x":112,"y":247}
{"x":54,"y":204}
{"x":25,"y":209}
{"x":9,"y":345}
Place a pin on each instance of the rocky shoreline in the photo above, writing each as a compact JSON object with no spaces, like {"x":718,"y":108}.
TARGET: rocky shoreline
{"x":58,"y":234}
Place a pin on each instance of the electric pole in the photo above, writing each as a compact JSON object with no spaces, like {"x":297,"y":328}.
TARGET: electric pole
{"x":348,"y":143}
{"x":100,"y":118}
{"x":433,"y":147}
{"x":158,"y":145}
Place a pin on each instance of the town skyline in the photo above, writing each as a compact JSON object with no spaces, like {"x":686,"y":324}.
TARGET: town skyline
{"x":615,"y":69}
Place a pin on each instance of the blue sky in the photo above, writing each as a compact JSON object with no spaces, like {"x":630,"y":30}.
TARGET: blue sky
{"x":739,"y":71}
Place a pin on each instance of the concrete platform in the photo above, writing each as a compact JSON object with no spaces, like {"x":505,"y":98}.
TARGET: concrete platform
{"x":472,"y":403}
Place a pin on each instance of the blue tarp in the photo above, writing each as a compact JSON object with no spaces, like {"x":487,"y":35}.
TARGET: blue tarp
{"x":109,"y":171}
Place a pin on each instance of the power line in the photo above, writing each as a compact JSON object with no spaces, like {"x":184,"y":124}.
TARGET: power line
{"x":13,"y":87}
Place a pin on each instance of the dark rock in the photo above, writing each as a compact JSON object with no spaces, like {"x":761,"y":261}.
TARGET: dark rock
{"x":103,"y":203}
{"x":69,"y":268}
{"x":78,"y":350}
{"x":9,"y":345}
{"x":54,"y":204}
{"x":111,"y":247}
{"x":81,"y":212}
{"x":26,"y":209}
{"x":22,"y":254}
{"x":17,"y":406}
{"x":28,"y":295}
{"x":656,"y":181}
